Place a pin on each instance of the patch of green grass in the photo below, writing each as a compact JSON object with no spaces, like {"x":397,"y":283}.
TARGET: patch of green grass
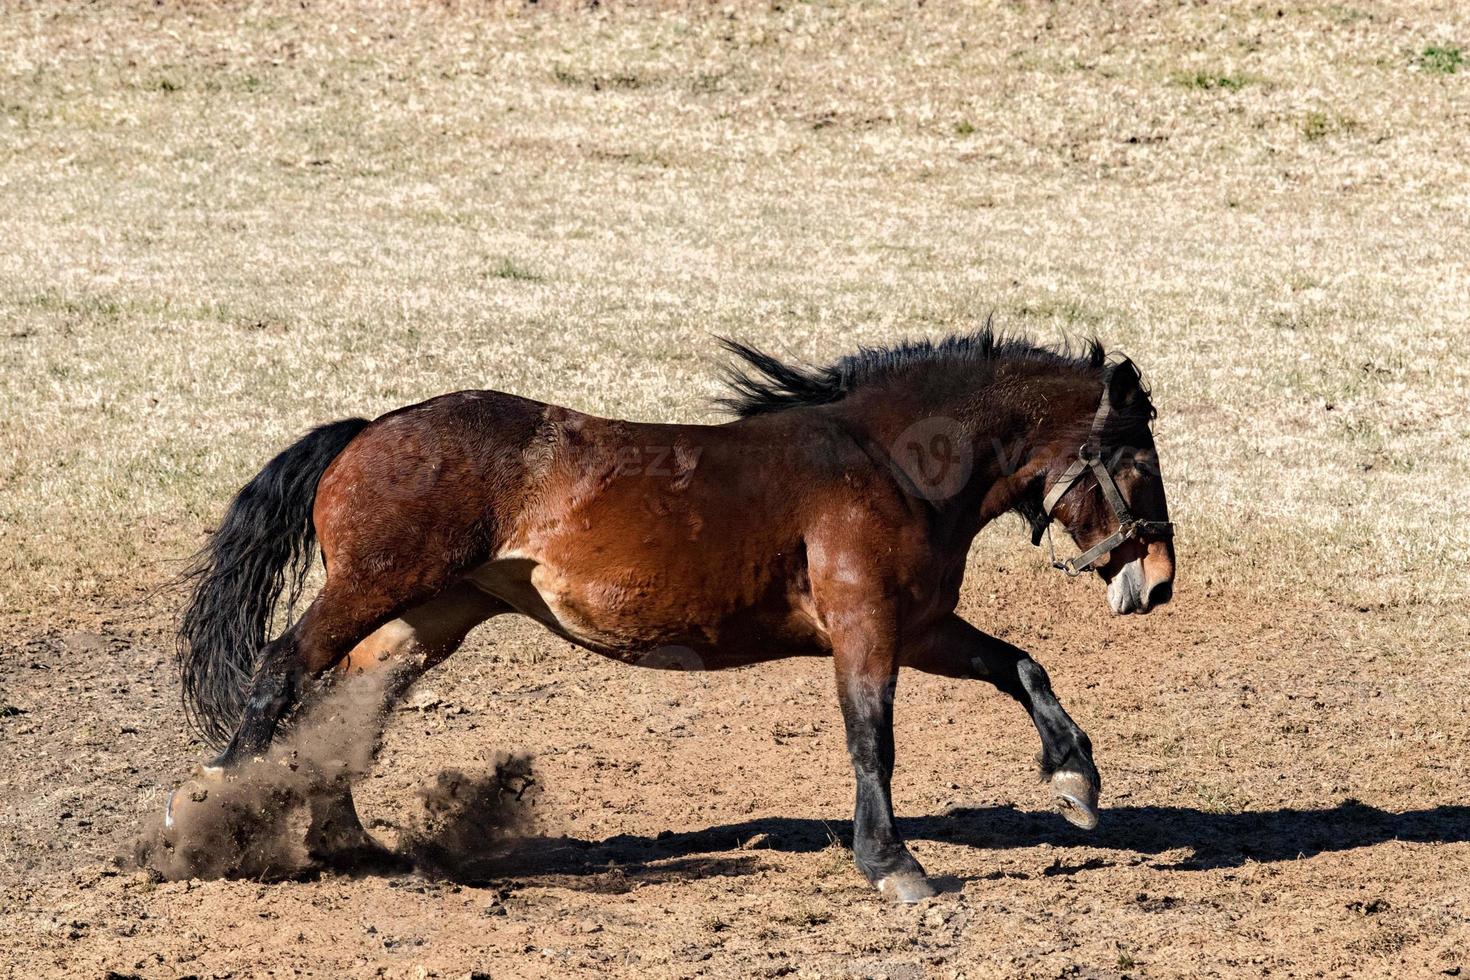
{"x":1208,"y":81}
{"x":964,"y":128}
{"x":1317,"y":125}
{"x":507,"y":268}
{"x":232,"y":83}
{"x":1440,"y":59}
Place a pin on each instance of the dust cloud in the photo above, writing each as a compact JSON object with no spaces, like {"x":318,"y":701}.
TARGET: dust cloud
{"x":290,"y":813}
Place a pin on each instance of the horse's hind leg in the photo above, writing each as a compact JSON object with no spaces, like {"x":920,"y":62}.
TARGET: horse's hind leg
{"x":336,"y":621}
{"x":402,"y":648}
{"x":958,"y":649}
{"x":399,"y":652}
{"x":395,"y":656}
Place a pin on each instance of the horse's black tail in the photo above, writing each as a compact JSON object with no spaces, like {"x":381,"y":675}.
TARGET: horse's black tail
{"x":261,"y":549}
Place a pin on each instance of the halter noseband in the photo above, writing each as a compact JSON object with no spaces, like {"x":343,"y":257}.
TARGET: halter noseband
{"x":1090,"y":457}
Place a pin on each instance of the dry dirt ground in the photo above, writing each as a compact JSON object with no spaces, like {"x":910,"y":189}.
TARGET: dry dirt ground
{"x":1284,"y":795}
{"x":223,"y":223}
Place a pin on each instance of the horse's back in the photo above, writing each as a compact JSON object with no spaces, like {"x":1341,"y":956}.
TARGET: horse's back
{"x":645,"y":536}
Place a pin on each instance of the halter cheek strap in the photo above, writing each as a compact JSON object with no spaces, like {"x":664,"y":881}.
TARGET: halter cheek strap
{"x":1090,"y":457}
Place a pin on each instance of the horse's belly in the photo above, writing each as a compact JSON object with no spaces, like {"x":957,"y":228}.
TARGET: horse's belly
{"x":634,"y":617}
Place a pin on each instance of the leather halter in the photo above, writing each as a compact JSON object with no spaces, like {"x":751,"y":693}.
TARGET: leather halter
{"x":1090,"y":457}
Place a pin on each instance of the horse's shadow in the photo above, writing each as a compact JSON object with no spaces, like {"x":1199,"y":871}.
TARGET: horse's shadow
{"x":1212,"y":840}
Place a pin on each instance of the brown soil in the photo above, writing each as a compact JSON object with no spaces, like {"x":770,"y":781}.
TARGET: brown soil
{"x":1284,"y":792}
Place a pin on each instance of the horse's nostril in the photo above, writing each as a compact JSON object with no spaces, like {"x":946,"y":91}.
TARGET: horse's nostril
{"x":1161,"y":593}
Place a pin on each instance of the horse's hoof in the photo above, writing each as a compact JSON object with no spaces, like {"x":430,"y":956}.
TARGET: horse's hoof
{"x":197,"y":791}
{"x":192,"y":792}
{"x":1076,"y":799}
{"x":905,"y":887}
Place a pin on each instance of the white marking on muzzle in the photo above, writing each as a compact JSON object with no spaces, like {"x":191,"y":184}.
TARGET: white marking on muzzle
{"x":1125,"y":591}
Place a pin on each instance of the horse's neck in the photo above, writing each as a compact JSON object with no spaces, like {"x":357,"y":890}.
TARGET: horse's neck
{"x":994,"y":444}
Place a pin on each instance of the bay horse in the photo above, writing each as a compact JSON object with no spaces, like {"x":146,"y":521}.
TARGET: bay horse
{"x":831,"y":517}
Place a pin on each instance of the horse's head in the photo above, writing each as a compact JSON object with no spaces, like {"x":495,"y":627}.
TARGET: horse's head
{"x":1108,"y":493}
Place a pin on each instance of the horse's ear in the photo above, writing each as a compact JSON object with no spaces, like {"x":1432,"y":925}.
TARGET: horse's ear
{"x":1125,"y":385}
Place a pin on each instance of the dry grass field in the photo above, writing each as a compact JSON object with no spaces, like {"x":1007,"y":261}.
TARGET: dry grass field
{"x":222,"y":223}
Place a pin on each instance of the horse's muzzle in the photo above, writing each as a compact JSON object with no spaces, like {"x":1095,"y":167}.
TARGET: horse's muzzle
{"x":1131,"y":591}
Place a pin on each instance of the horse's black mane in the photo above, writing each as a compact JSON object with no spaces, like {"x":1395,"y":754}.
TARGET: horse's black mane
{"x":766,"y":384}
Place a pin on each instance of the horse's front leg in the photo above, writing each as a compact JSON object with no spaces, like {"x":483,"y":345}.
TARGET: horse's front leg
{"x":957,"y":649}
{"x":865,"y":649}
